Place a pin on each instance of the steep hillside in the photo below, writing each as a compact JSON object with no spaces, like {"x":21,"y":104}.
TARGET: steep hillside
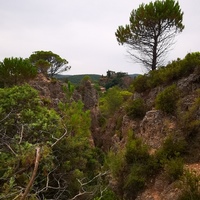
{"x":140,"y":142}
{"x":169,"y":129}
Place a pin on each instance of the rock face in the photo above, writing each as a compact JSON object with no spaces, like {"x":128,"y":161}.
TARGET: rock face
{"x":155,"y":127}
{"x":89,"y":95}
{"x":50,"y":90}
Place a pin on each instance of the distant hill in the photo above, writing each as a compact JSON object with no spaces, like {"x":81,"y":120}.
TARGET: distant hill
{"x":134,"y":75}
{"x":76,"y":79}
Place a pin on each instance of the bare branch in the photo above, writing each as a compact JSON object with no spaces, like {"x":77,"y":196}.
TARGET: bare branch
{"x":11,"y":149}
{"x":86,"y":183}
{"x":81,"y":194}
{"x":98,"y":175}
{"x":58,"y":139}
{"x":21,"y":134}
{"x":33,"y":175}
{"x":6,"y":116}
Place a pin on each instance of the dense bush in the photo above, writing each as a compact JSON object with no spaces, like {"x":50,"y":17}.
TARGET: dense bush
{"x":15,"y":71}
{"x":136,"y":108}
{"x":171,"y":148}
{"x":166,"y":75}
{"x":131,"y":167}
{"x":111,"y":101}
{"x":167,"y":99}
{"x":140,"y":83}
{"x":126,"y":94}
{"x":170,"y":158}
{"x":173,"y":168}
{"x":67,"y":158}
{"x":189,"y":119}
{"x":190,"y":186}
{"x":140,"y":166}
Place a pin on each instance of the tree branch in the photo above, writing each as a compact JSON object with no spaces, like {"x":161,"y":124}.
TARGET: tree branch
{"x":33,"y":175}
{"x":58,"y":139}
{"x":6,"y":116}
{"x":21,"y":135}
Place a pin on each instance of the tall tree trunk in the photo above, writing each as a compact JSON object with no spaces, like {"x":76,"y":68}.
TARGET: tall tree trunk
{"x":154,"y":59}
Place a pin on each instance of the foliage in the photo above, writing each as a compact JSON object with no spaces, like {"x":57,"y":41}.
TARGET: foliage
{"x":174,"y":168}
{"x":48,"y":62}
{"x":126,"y":94}
{"x":132,"y":167}
{"x":111,"y":101}
{"x":67,"y":158}
{"x":140,"y":166}
{"x":76,"y":79}
{"x":171,"y":148}
{"x":190,"y":186}
{"x":136,"y":108}
{"x":15,"y":71}
{"x":151,"y":31}
{"x":169,"y":157}
{"x":107,"y":195}
{"x":140,"y":83}
{"x":167,"y":99}
{"x":189,"y":120}
{"x":68,"y":88}
{"x":113,"y":81}
{"x":166,"y":75}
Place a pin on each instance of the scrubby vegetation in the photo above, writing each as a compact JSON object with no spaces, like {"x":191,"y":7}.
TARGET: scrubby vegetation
{"x":169,"y":74}
{"x":48,"y":152}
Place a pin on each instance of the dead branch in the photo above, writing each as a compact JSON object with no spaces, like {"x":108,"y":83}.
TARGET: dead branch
{"x":80,"y":194}
{"x":33,"y":174}
{"x":98,"y":175}
{"x":11,"y":149}
{"x":6,"y":116}
{"x":21,"y":134}
{"x":58,"y":139}
{"x":86,"y":183}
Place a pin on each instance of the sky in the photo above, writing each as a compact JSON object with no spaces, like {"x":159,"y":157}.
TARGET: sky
{"x":83,"y":32}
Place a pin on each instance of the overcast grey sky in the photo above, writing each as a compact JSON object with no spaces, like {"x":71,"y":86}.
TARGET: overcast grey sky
{"x":83,"y":32}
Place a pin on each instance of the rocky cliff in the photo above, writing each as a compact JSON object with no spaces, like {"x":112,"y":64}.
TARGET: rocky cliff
{"x":155,"y":127}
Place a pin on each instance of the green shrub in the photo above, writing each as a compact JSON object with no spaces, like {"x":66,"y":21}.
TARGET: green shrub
{"x":174,"y":168}
{"x":140,"y":166}
{"x":167,"y":99}
{"x":190,"y":186}
{"x":190,"y":62}
{"x":132,"y":166}
{"x":15,"y":71}
{"x":136,"y":108}
{"x":140,"y":83}
{"x":171,"y":148}
{"x":111,"y":101}
{"x":135,"y":181}
{"x":126,"y":94}
{"x":189,"y":120}
{"x":116,"y":162}
{"x":156,"y":77}
{"x":107,"y":195}
{"x":136,"y":151}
